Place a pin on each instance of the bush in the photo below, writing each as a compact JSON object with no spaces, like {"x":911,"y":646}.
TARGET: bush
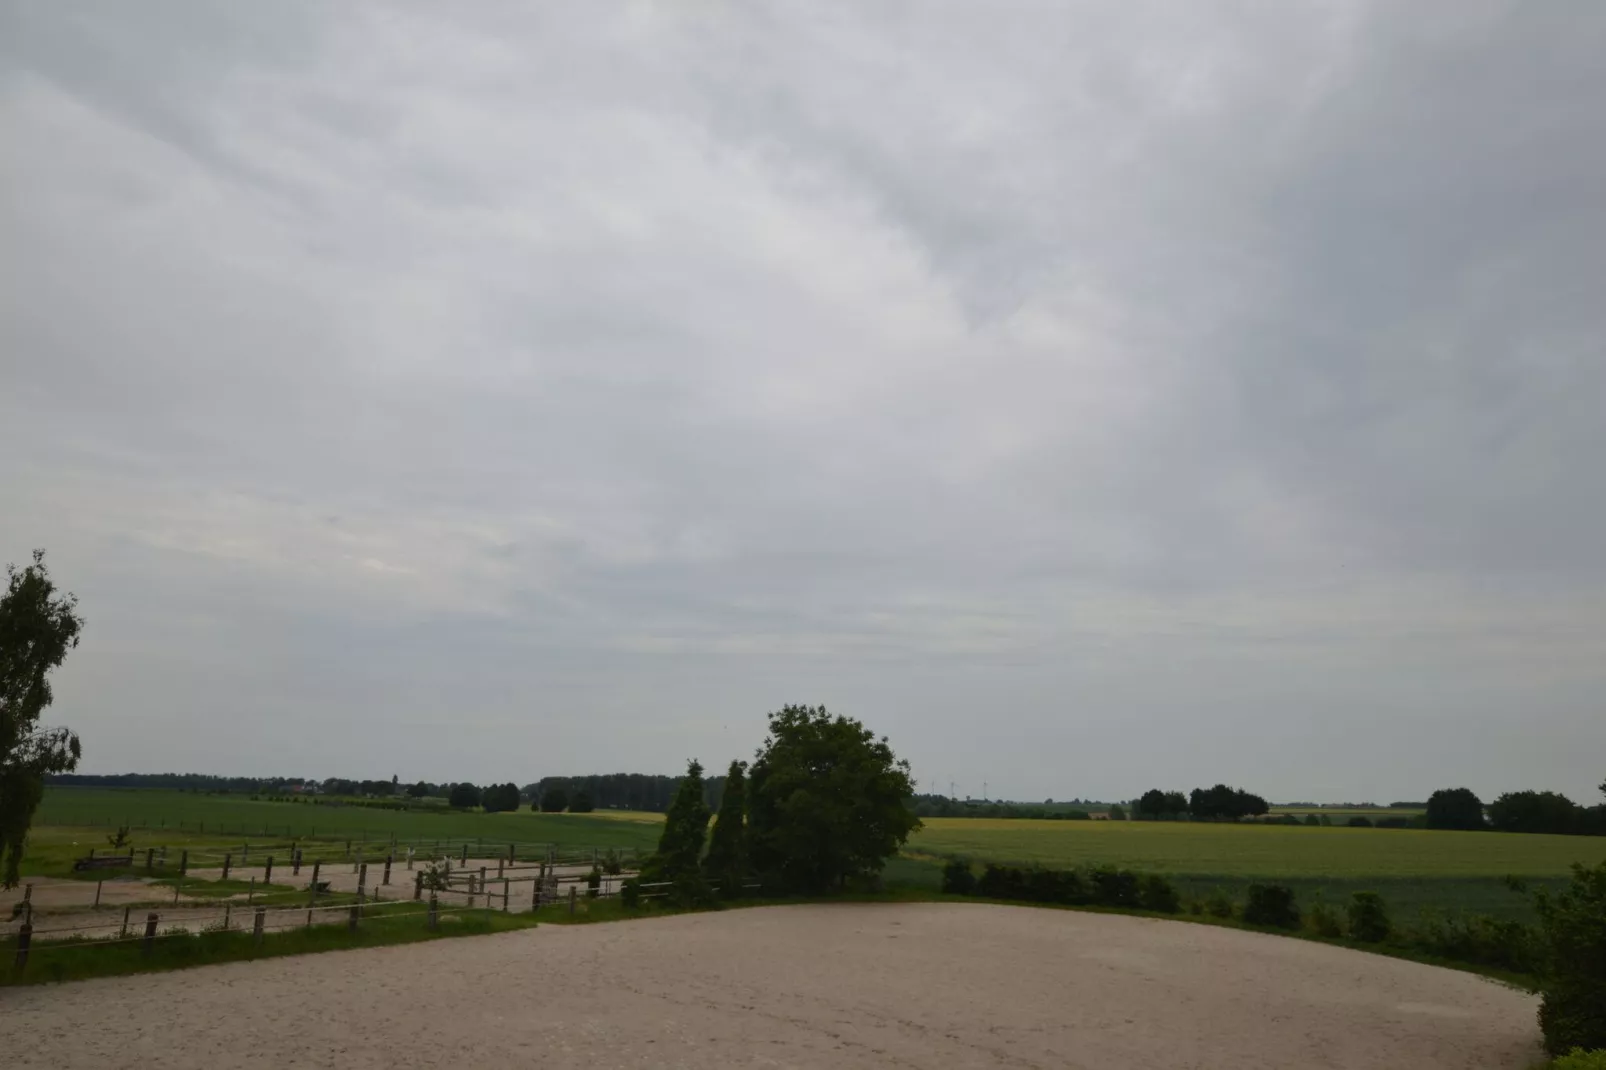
{"x":1573,"y":927}
{"x":1157,"y":893}
{"x":957,"y":878}
{"x":1579,"y":1059}
{"x":1218,"y":904}
{"x":1479,"y":939}
{"x":1324,"y":921}
{"x":1273,"y":905}
{"x":594,"y":882}
{"x":1368,"y":918}
{"x":1114,"y":887}
{"x":630,"y":893}
{"x":1358,"y":822}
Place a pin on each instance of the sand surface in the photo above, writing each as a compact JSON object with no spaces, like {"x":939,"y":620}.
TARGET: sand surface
{"x":831,"y":985}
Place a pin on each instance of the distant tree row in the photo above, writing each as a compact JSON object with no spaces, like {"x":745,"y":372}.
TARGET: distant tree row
{"x":943,"y":806}
{"x":623,"y":791}
{"x":1220,"y":803}
{"x":1516,"y":811}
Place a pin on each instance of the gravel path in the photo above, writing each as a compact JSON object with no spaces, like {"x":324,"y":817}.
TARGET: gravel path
{"x":831,"y":985}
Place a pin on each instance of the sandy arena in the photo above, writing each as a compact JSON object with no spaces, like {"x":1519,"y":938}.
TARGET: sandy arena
{"x":837,"y":985}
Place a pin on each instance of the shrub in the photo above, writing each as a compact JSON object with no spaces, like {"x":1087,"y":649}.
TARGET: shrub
{"x":1114,"y":887}
{"x":1218,"y":904}
{"x":1271,"y":904}
{"x":1312,"y":820}
{"x":1479,"y":939}
{"x":957,"y":878}
{"x":1157,"y":893}
{"x":1324,"y":921}
{"x":1358,"y":822}
{"x":630,"y":893}
{"x":594,"y":882}
{"x":1393,"y":823}
{"x":1368,"y":918}
{"x":1573,"y":927}
{"x":1579,"y":1059}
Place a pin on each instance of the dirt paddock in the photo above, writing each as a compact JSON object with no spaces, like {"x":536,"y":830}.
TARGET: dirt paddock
{"x":838,"y":985}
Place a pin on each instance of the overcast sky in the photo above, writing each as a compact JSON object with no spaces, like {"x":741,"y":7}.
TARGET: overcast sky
{"x":1088,"y":396}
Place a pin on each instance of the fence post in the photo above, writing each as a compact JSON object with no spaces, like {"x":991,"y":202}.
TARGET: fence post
{"x":123,"y":932}
{"x":150,"y":856}
{"x":228,"y":909}
{"x":228,"y":860}
{"x":184,"y":863}
{"x":351,"y":920}
{"x":510,"y":857}
{"x":97,"y":891}
{"x":574,"y":896}
{"x":295,"y":862}
{"x":312,"y":886}
{"x":150,"y":932}
{"x":505,"y":883}
{"x":482,"y":888}
{"x":418,"y":886}
{"x":250,"y":892}
{"x":24,"y":939}
{"x":256,"y":924}
{"x":465,"y":853}
{"x":434,"y":911}
{"x":500,"y":868}
{"x":388,"y":860}
{"x":362,"y":880}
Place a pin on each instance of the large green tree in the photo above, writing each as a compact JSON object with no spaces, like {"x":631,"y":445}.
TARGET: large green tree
{"x":1455,"y":808}
{"x":827,"y":801}
{"x":727,"y":864}
{"x":678,"y":860}
{"x":38,"y":627}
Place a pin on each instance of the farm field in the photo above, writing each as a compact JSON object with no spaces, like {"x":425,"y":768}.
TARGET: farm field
{"x":239,"y":815}
{"x":1414,"y":869}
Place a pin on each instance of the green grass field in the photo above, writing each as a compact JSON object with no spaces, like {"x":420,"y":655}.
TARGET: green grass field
{"x":161,"y":815}
{"x":1413,"y":869}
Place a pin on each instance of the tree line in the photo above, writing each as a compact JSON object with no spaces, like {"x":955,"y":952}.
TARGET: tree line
{"x":1515,"y":811}
{"x":1219,"y":803}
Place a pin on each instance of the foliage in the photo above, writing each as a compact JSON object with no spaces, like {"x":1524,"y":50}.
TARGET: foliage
{"x":1324,"y":921}
{"x":1536,"y":811}
{"x":827,"y":802}
{"x":581,"y":803}
{"x":496,"y":798}
{"x":1368,"y":918}
{"x":463,"y":797}
{"x":727,"y":863}
{"x":1312,"y":820}
{"x":1359,"y":822}
{"x":37,"y":629}
{"x":1273,"y":905}
{"x":594,"y":882}
{"x":1158,"y":894}
{"x":1225,"y":804}
{"x":1573,"y":927}
{"x":119,"y":839}
{"x":1455,"y":808}
{"x":1156,"y":804}
{"x":1478,"y":939}
{"x":1117,"y":812}
{"x":1579,"y":1059}
{"x":418,"y":790}
{"x":1218,"y":904}
{"x":958,"y":878}
{"x":554,"y":801}
{"x":680,"y":847}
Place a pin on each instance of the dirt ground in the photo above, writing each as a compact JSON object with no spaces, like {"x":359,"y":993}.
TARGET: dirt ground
{"x":838,"y":985}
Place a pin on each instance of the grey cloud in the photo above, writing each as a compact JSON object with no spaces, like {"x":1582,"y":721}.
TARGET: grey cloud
{"x":1034,"y":383}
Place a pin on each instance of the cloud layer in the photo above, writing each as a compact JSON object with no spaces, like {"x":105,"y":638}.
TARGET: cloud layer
{"x":1089,"y":397}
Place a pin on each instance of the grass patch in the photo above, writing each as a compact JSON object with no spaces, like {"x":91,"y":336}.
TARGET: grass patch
{"x":388,"y":924}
